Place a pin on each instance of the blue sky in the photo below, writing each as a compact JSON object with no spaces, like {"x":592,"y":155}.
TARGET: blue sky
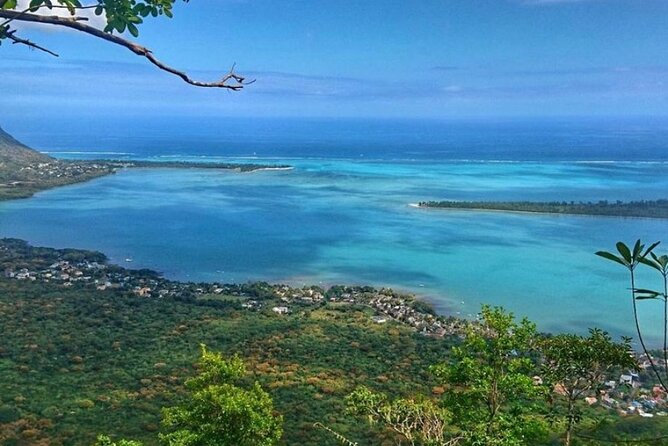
{"x":372,"y":59}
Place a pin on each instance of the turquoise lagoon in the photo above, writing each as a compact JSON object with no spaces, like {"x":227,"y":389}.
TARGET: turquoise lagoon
{"x":349,"y":221}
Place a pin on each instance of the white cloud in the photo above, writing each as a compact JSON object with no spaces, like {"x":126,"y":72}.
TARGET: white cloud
{"x":93,"y":20}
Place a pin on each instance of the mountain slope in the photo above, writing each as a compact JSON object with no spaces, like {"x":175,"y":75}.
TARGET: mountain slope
{"x":24,"y":171}
{"x":14,"y":154}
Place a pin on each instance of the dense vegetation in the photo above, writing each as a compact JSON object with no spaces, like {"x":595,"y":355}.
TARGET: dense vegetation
{"x":642,"y":208}
{"x":241,"y":167}
{"x":77,"y":362}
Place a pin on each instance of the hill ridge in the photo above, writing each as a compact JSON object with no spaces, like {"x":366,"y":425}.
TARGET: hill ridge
{"x":15,"y":155}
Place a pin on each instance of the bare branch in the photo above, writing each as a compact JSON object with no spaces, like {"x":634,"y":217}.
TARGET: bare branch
{"x":230,"y":81}
{"x":75,"y":8}
{"x":11,"y":36}
{"x":20,"y":14}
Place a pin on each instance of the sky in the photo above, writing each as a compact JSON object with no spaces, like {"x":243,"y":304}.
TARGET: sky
{"x":422,"y":59}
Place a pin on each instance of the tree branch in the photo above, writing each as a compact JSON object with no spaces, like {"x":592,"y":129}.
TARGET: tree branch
{"x":11,"y":36}
{"x":230,"y":81}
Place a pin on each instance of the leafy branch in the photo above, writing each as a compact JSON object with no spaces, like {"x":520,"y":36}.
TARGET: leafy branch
{"x":630,"y":259}
{"x":120,"y":15}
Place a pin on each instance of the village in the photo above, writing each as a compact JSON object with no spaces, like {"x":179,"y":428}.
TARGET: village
{"x":629,"y":393}
{"x":253,"y":296}
{"x":57,"y":172}
{"x":69,"y":169}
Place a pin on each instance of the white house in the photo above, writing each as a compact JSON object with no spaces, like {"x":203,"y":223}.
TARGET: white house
{"x":280,"y":310}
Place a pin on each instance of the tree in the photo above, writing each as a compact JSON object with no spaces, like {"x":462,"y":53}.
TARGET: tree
{"x":578,"y":364}
{"x":220,"y":412}
{"x":489,"y":384}
{"x":660,"y":264}
{"x":119,"y":16}
{"x":418,"y":421}
{"x":630,"y":259}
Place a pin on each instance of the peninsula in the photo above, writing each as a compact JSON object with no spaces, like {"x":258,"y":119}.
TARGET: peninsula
{"x":24,"y":171}
{"x":641,"y":208}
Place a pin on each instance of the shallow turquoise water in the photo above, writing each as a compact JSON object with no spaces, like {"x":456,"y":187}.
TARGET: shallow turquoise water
{"x":344,"y":221}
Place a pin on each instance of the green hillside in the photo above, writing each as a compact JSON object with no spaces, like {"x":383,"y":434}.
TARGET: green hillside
{"x":24,"y":171}
{"x":15,"y":156}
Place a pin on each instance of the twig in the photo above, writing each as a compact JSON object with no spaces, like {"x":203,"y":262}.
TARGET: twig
{"x":11,"y":36}
{"x":230,"y":81}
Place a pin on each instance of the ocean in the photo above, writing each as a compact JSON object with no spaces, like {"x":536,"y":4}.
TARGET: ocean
{"x":343,"y":214}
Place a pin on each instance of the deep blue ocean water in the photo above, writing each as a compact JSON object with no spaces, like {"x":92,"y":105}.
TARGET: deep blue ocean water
{"x":342,"y":215}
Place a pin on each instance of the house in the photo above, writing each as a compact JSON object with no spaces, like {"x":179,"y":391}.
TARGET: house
{"x":143,"y":292}
{"x":608,"y":402}
{"x":631,"y":379}
{"x":280,"y":310}
{"x":379,"y":319}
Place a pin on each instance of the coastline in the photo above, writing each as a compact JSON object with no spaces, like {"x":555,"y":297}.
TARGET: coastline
{"x":69,"y":172}
{"x":17,"y":190}
{"x":271,"y":169}
{"x":24,"y":262}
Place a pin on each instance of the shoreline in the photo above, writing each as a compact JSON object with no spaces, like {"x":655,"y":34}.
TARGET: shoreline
{"x":272,"y":169}
{"x":24,"y":262}
{"x":92,"y":169}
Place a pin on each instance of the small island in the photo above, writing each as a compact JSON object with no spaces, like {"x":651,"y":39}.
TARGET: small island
{"x":240,"y":167}
{"x":641,"y":208}
{"x":24,"y":171}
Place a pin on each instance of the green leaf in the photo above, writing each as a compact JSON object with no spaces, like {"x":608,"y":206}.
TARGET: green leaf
{"x":624,"y":251}
{"x":651,"y":263}
{"x":645,"y":291}
{"x":663,"y":261}
{"x":637,"y":249}
{"x":614,"y":258}
{"x":651,"y":248}
{"x":133,"y":30}
{"x":645,"y":297}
